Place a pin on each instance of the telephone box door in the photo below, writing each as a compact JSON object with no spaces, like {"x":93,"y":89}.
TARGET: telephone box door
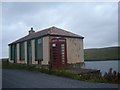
{"x":58,"y":53}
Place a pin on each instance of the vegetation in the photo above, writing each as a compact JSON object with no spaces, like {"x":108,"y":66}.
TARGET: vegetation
{"x":110,"y":53}
{"x":82,"y":77}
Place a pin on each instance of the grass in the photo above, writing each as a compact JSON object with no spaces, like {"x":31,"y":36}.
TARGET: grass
{"x":101,"y":81}
{"x":61,"y":73}
{"x":98,"y":81}
{"x":109,"y":53}
{"x":103,"y":60}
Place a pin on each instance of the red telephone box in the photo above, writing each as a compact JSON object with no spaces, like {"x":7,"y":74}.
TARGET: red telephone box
{"x":58,"y":53}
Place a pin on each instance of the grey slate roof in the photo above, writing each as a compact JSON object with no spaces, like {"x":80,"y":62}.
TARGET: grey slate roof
{"x":49,"y":31}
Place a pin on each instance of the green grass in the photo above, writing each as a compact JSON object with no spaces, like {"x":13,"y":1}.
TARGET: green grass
{"x":98,"y":81}
{"x":110,"y":53}
{"x":101,"y":81}
{"x":61,"y":73}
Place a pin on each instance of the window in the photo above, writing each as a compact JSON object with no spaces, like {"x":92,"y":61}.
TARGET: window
{"x":39,"y":49}
{"x":62,"y":53}
{"x":12,"y":52}
{"x":39,"y":41}
{"x":22,"y":51}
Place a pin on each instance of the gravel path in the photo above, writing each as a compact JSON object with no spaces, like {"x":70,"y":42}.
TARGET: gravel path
{"x":29,"y":79}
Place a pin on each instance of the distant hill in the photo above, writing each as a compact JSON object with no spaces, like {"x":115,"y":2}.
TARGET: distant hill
{"x":109,"y":53}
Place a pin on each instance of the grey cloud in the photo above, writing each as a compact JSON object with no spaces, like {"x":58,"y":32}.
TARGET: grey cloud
{"x":0,"y":30}
{"x":97,"y":22}
{"x":22,"y":11}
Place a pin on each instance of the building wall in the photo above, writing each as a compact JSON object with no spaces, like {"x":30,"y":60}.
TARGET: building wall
{"x":46,"y":50}
{"x":33,"y":52}
{"x":75,"y":52}
{"x":18,"y":53}
{"x":25,"y":52}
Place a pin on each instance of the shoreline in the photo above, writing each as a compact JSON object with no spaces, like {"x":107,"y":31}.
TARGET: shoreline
{"x":104,"y":60}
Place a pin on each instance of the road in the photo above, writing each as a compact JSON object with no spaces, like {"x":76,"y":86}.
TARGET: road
{"x":29,"y":79}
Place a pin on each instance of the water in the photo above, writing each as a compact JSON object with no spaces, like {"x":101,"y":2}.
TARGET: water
{"x":103,"y":66}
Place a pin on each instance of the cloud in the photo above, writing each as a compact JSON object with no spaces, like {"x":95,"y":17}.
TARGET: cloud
{"x":97,"y":22}
{"x":0,"y":30}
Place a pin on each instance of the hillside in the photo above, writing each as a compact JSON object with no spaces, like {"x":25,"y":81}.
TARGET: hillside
{"x":109,"y":53}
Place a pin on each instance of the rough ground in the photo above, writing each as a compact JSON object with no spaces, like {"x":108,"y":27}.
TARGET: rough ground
{"x":28,"y":79}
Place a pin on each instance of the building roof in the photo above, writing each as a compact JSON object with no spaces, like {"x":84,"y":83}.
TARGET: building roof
{"x":52,"y":31}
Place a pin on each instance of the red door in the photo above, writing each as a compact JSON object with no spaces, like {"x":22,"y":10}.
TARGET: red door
{"x":58,"y":53}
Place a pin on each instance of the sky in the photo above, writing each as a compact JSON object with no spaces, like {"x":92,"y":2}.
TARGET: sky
{"x":96,"y":21}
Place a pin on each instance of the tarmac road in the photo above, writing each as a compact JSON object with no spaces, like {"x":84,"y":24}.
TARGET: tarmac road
{"x":29,"y":79}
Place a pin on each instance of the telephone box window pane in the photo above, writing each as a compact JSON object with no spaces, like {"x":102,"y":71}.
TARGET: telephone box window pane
{"x":53,"y":45}
{"x":62,"y":40}
{"x":54,"y":40}
{"x":62,"y":44}
{"x":62,"y":52}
